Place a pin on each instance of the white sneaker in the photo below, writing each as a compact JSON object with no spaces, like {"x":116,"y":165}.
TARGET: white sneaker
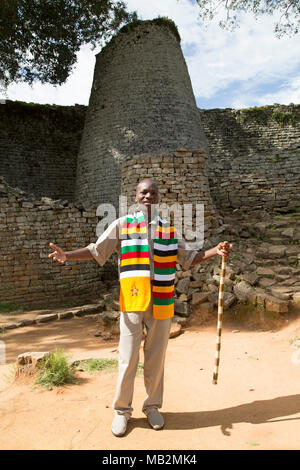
{"x":119,"y":425}
{"x":155,"y":419}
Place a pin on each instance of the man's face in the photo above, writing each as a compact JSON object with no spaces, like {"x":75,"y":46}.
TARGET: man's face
{"x":147,"y":193}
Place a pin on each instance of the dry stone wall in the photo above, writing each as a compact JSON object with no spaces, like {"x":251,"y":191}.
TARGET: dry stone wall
{"x":39,"y":147}
{"x":254,"y":157}
{"x":27,"y":226}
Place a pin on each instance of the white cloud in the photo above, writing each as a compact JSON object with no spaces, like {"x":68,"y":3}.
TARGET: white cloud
{"x":250,"y":54}
{"x":288,"y":92}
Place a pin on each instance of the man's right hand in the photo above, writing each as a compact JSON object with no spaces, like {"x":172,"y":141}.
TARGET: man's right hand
{"x":58,"y":255}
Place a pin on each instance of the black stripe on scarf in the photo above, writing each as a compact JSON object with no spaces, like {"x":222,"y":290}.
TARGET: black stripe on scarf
{"x":162,"y":283}
{"x":134,"y":267}
{"x":165,"y":253}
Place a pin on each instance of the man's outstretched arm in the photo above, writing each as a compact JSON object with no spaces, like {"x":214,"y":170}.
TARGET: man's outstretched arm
{"x":222,"y":249}
{"x":106,"y":244}
{"x":60,"y":256}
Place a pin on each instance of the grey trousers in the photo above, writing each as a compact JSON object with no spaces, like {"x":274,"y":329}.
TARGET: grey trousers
{"x":155,"y":345}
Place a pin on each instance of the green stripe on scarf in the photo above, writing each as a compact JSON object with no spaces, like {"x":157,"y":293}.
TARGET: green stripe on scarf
{"x":166,"y":241}
{"x":129,"y":220}
{"x":163,"y":301}
{"x":164,"y":270}
{"x":132,"y":248}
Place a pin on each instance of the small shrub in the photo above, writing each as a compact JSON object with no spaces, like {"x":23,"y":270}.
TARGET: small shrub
{"x":55,"y":370}
{"x":161,"y":21}
{"x":257,"y":114}
{"x":284,"y":117}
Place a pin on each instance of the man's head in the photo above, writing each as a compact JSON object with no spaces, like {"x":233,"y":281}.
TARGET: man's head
{"x":147,"y":193}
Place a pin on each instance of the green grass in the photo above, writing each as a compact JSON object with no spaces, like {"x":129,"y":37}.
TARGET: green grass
{"x":55,"y":370}
{"x":99,"y":365}
{"x":6,"y":307}
{"x":140,"y":369}
{"x":277,"y":159}
{"x":96,"y":365}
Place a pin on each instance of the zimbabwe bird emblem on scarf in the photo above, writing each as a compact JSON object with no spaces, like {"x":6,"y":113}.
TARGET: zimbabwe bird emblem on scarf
{"x":134,"y":291}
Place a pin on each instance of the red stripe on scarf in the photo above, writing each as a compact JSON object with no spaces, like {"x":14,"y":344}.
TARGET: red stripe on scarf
{"x":165,"y":235}
{"x":172,"y":264}
{"x":134,"y":224}
{"x":163,"y":295}
{"x":135,"y":254}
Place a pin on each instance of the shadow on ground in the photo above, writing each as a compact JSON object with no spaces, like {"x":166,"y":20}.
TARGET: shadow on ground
{"x":256,"y":412}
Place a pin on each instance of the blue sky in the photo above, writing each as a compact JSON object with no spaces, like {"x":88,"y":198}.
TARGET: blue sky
{"x":248,"y":67}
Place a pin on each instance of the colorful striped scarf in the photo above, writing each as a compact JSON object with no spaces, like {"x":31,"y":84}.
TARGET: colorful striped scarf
{"x":135,"y":283}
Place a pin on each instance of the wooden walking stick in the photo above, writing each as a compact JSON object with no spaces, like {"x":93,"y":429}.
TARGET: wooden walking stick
{"x":219,"y":325}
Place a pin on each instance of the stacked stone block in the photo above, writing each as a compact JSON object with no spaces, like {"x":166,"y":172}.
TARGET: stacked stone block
{"x":27,"y":276}
{"x":254,"y":159}
{"x":39,"y":147}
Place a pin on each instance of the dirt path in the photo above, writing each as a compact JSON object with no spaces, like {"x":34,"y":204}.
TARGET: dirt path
{"x":256,"y":404}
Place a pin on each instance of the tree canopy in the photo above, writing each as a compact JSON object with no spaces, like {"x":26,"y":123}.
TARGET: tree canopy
{"x":288,"y":12}
{"x":39,"y":39}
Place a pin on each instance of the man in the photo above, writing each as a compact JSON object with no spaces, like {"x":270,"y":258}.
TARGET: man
{"x":148,"y":249}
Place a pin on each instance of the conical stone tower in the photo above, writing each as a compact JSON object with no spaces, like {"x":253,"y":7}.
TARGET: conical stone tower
{"x":141,"y":106}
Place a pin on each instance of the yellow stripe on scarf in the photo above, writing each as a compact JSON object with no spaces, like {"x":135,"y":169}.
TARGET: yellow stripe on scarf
{"x":165,"y":259}
{"x":163,"y":288}
{"x":129,"y":231}
{"x":162,"y":312}
{"x":165,"y":229}
{"x":126,"y":262}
